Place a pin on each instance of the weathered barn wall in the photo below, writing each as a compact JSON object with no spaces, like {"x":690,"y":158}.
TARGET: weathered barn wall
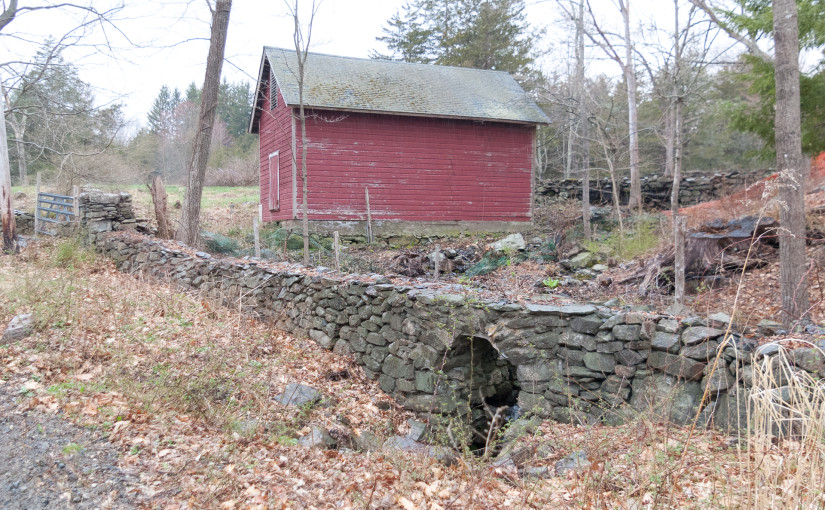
{"x":275,"y":131}
{"x":435,"y":350}
{"x":693,"y":189}
{"x":417,"y":169}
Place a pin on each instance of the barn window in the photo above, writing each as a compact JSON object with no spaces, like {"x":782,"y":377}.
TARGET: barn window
{"x":273,"y":91}
{"x":274,"y":182}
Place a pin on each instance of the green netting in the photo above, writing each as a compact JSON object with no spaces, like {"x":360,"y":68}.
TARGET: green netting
{"x":488,"y":263}
{"x":217,"y":243}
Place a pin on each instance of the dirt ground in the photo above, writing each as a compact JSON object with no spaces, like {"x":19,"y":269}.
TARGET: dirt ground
{"x":48,"y":462}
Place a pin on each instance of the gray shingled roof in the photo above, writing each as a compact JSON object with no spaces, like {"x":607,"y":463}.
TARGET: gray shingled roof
{"x":346,"y":83}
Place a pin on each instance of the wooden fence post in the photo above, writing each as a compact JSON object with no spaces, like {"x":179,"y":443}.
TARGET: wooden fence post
{"x":436,"y":255}
{"x":369,"y":215}
{"x":76,"y":202}
{"x":336,"y":245}
{"x":257,"y":236}
{"x":37,"y":206}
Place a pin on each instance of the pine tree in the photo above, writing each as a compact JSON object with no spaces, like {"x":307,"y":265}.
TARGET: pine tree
{"x":161,"y":111}
{"x":482,"y":34}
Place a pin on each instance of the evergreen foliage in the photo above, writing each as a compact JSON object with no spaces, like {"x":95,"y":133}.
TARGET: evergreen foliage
{"x":57,"y":112}
{"x":755,"y":18}
{"x":482,"y":34}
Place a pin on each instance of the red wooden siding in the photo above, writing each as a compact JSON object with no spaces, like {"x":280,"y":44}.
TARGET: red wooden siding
{"x":275,"y":130}
{"x":416,"y":168}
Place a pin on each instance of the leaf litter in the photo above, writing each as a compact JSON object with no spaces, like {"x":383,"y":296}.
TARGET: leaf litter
{"x":183,"y":388}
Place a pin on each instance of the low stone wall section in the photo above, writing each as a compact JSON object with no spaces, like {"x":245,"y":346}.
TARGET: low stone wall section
{"x":436,"y":350}
{"x":694,"y":189}
{"x":105,"y":212}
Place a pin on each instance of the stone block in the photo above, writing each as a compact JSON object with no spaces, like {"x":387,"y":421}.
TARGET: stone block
{"x":705,"y":351}
{"x":663,"y":397}
{"x":600,"y":362}
{"x":629,"y":358}
{"x":667,"y":342}
{"x":580,"y":340}
{"x":627,"y":332}
{"x":537,"y":372}
{"x":679,"y":366}
{"x":698,"y":334}
{"x":588,"y":324}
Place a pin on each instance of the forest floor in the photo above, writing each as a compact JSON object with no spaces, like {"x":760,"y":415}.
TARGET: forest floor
{"x":131,"y":393}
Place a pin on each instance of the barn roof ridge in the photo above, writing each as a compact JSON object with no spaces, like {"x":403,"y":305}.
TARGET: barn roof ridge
{"x":389,"y":61}
{"x":360,"y":84}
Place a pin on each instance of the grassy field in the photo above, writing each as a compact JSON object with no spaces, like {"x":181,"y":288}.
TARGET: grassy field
{"x":213,"y":196}
{"x":225,"y":210}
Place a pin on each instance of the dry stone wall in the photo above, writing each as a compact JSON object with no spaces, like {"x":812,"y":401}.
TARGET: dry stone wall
{"x":656,"y":189}
{"x":436,"y":350}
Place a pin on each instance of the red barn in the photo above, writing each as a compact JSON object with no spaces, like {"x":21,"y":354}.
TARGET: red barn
{"x":441,"y":149}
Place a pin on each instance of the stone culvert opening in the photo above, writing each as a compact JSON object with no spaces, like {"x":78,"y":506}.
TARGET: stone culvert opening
{"x":483,"y":382}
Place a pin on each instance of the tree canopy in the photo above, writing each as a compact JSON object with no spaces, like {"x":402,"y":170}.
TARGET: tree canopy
{"x":482,"y":34}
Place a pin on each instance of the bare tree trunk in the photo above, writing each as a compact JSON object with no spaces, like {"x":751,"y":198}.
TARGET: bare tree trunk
{"x":159,"y":200}
{"x":301,"y":50}
{"x":584,"y":146}
{"x":22,"y":164}
{"x":632,"y":112}
{"x":680,"y":240}
{"x":669,"y":140}
{"x":790,"y":163}
{"x":674,"y":144}
{"x":6,"y":201}
{"x":189,"y":231}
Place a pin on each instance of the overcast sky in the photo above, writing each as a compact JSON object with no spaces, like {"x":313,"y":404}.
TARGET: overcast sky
{"x":153,"y":43}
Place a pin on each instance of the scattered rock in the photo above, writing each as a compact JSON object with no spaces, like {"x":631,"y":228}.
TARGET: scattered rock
{"x":318,"y":437}
{"x":405,"y":444}
{"x":539,"y":472}
{"x":574,"y":462}
{"x":720,"y":320}
{"x":513,"y":242}
{"x":417,"y":429}
{"x":582,"y":260}
{"x":809,"y":359}
{"x":767,"y":327}
{"x":366,"y":441}
{"x":599,"y":268}
{"x":19,"y":328}
{"x":768,"y":349}
{"x":298,"y":395}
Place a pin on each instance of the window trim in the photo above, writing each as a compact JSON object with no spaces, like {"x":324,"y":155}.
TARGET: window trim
{"x":274,"y":182}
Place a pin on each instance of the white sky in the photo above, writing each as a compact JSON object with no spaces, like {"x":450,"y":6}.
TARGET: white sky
{"x":172,"y":39}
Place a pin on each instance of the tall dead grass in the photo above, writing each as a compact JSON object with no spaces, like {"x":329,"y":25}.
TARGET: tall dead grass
{"x":786,"y":436}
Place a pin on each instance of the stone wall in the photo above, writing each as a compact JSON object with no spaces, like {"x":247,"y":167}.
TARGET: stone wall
{"x":435,"y":350}
{"x":105,"y":212}
{"x":693,"y":189}
{"x":99,"y":213}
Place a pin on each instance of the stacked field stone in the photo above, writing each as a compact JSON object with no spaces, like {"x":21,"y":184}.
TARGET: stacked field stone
{"x":436,"y":350}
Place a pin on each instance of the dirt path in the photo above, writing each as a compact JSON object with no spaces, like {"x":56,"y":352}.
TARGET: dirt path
{"x":47,"y":462}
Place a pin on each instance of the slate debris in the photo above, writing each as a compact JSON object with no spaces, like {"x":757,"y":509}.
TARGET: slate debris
{"x":19,"y":328}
